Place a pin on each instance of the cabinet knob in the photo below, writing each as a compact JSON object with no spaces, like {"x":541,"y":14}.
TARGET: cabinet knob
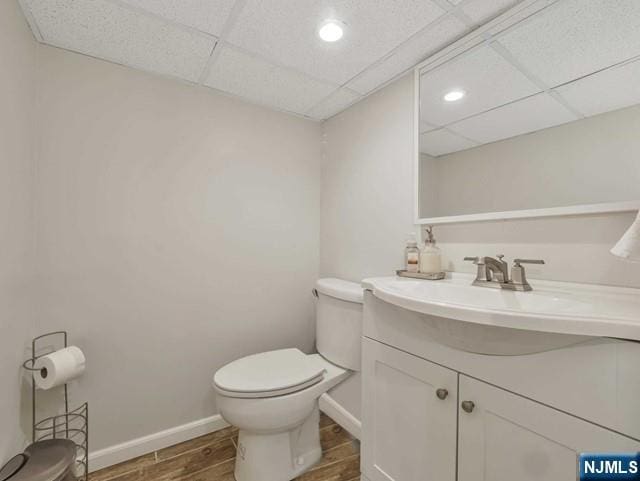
{"x":467,"y":406}
{"x":442,"y":393}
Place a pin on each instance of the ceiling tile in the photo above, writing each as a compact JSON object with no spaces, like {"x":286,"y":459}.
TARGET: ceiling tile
{"x":574,"y":38}
{"x":611,"y":89}
{"x":105,"y":30}
{"x":523,"y":11}
{"x":528,"y":115}
{"x":247,"y":76}
{"x":285,"y":31}
{"x":205,"y":15}
{"x":487,"y":78}
{"x":419,"y":47}
{"x":481,"y":11}
{"x":440,"y":142}
{"x":336,"y":102}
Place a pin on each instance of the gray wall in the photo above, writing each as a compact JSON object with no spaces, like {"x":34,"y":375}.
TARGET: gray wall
{"x":178,"y":229}
{"x":575,"y":248}
{"x":17,"y":93}
{"x":367,"y":187}
{"x":367,"y":206}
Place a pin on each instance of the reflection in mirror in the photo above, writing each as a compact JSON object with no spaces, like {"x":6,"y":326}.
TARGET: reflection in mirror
{"x":542,"y":115}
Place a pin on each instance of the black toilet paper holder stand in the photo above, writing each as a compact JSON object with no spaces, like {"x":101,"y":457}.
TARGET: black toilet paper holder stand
{"x":72,"y":424}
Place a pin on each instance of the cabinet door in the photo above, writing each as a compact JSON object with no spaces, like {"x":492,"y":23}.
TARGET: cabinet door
{"x":408,"y":431}
{"x":506,"y":437}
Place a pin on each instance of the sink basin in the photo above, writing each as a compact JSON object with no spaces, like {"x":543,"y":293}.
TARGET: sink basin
{"x":560,"y":308}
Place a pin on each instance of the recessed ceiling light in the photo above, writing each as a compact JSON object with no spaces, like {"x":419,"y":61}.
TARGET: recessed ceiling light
{"x":331,"y":31}
{"x":454,"y":95}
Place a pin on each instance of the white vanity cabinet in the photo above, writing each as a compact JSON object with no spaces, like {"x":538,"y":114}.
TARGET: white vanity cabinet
{"x":507,"y":437}
{"x":409,"y":418}
{"x":504,"y":417}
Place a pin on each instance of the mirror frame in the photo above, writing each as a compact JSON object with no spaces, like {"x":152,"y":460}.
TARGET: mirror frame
{"x":476,"y":38}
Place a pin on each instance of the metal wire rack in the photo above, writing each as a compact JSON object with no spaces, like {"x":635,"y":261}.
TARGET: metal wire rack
{"x":72,"y":424}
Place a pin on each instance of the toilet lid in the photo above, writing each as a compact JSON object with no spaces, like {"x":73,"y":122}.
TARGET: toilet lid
{"x":267,"y":374}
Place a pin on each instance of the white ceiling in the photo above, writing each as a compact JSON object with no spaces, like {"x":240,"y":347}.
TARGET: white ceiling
{"x":573,"y":59}
{"x":266,"y":51}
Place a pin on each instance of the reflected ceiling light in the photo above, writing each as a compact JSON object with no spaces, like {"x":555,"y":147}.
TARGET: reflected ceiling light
{"x":454,"y":95}
{"x":331,"y":31}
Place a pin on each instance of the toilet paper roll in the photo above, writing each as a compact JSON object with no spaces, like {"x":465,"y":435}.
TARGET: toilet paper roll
{"x":59,"y":367}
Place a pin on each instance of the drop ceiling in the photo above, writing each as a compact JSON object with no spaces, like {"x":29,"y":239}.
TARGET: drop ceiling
{"x":570,"y":60}
{"x":265,"y":51}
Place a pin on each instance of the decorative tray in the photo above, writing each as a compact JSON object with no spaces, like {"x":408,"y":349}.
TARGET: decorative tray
{"x":421,"y":275}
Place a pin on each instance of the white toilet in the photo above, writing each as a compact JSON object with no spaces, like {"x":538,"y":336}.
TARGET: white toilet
{"x":272,"y":397}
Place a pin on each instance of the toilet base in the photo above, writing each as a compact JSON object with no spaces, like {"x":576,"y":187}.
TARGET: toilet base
{"x":279,"y":456}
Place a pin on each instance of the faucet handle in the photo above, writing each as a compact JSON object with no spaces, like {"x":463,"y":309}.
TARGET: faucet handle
{"x":517,"y":262}
{"x":518,"y":276}
{"x":483,"y":275}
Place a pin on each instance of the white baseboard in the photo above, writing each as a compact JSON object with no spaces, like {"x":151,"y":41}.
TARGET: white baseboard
{"x":340,"y":415}
{"x":148,"y":444}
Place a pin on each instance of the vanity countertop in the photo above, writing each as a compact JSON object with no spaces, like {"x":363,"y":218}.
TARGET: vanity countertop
{"x":555,"y":307}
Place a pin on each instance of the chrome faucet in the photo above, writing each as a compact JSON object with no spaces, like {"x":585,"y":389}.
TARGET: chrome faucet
{"x":498,"y":268}
{"x":495,"y":273}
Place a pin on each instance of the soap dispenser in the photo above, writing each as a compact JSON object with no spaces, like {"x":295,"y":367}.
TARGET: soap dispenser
{"x":412,"y":254}
{"x":430,"y":259}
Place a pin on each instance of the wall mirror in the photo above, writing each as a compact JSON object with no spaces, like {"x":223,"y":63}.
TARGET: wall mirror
{"x":537,"y":113}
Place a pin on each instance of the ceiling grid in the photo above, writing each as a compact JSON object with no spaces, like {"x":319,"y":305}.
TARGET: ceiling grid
{"x":587,"y":66}
{"x":384,"y":39}
{"x":238,"y":5}
{"x":268,"y":52}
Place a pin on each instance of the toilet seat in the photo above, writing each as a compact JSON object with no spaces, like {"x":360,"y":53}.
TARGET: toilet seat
{"x":268,"y":374}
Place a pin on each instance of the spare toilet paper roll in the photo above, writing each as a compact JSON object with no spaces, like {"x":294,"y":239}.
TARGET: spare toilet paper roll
{"x":59,"y":367}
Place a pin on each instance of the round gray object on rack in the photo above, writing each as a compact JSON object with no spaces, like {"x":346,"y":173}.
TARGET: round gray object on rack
{"x":50,"y":460}
{"x":14,"y":465}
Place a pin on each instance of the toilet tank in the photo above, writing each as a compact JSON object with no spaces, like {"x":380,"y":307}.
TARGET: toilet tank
{"x":339,"y":322}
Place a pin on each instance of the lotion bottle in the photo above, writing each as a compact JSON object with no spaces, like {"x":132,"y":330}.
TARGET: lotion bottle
{"x":430,"y":258}
{"x":412,"y":254}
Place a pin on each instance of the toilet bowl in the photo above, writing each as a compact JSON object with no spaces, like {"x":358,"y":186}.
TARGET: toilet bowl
{"x":272,"y":397}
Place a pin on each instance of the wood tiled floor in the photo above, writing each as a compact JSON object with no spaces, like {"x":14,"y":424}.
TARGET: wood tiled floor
{"x":212,"y":457}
